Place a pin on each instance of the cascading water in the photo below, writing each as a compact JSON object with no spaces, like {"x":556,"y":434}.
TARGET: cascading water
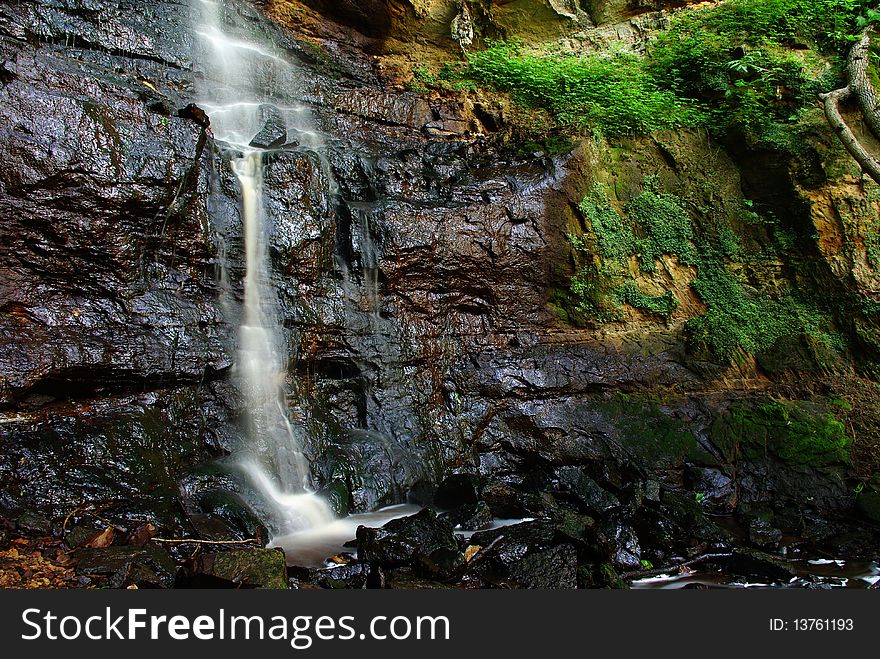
{"x":273,"y":456}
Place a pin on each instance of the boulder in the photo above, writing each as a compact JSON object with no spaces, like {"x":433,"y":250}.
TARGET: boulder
{"x":457,"y":490}
{"x":470,"y":517}
{"x":145,"y":567}
{"x":522,"y":555}
{"x":421,"y":541}
{"x":242,"y":568}
{"x":274,"y":131}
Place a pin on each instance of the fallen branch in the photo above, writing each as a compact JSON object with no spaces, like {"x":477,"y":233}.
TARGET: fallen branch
{"x":643,"y":574}
{"x":192,"y":541}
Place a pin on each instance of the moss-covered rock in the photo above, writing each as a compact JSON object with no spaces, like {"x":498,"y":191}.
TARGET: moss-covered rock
{"x":794,"y":433}
{"x":246,"y":568}
{"x":868,"y":500}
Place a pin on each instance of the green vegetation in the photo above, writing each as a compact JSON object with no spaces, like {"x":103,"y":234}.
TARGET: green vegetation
{"x":746,"y":60}
{"x":740,"y":320}
{"x":793,"y":432}
{"x":737,"y":320}
{"x":661,"y":305}
{"x":750,"y":65}
{"x":613,"y":94}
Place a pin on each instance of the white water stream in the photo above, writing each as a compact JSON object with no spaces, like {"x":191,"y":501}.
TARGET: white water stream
{"x":272,"y":457}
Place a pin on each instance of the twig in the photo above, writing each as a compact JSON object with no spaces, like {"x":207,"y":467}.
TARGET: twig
{"x":192,"y":541}
{"x":629,"y":576}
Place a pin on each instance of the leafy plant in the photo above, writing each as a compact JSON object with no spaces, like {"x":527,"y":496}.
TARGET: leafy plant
{"x":611,"y":93}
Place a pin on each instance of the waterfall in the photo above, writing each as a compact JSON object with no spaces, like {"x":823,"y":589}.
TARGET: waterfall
{"x":239,"y":78}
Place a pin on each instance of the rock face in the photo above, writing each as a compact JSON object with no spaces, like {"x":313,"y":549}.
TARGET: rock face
{"x":414,"y":261}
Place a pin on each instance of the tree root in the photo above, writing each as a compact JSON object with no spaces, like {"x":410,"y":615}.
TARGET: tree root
{"x":858,"y":86}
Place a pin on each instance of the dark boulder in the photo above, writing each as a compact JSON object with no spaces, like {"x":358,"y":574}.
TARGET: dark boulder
{"x":457,"y":490}
{"x":352,"y":576}
{"x":525,"y":555}
{"x":421,"y":541}
{"x":508,"y":502}
{"x":145,"y":567}
{"x":274,"y":131}
{"x":586,"y":492}
{"x":763,"y":534}
{"x":470,"y":517}
{"x":621,"y":543}
{"x":237,"y":517}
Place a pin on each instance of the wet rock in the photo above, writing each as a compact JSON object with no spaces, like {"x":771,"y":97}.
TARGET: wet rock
{"x":457,"y":490}
{"x":622,"y":544}
{"x":586,"y":492}
{"x":523,"y":555}
{"x":243,"y":568}
{"x":755,"y":564}
{"x":274,"y":131}
{"x":408,"y":579}
{"x":868,"y":500}
{"x":507,"y":502}
{"x":337,"y":497}
{"x":32,"y":524}
{"x":763,"y":534}
{"x":144,"y":567}
{"x":470,"y":517}
{"x":715,"y":487}
{"x":196,"y":114}
{"x":377,"y":469}
{"x":421,"y":541}
{"x":353,"y":576}
{"x":581,"y":529}
{"x":602,"y":575}
{"x":422,"y":493}
{"x":688,"y":520}
{"x":240,"y":522}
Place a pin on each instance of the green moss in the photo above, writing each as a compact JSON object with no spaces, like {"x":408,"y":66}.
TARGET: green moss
{"x":613,"y":235}
{"x":652,"y":436}
{"x":795,"y":433}
{"x":666,"y":226}
{"x":662,"y":305}
{"x":737,"y":320}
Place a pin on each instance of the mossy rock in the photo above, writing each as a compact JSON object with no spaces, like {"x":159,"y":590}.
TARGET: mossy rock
{"x":868,"y":500}
{"x":246,"y":568}
{"x":652,"y":436}
{"x":792,"y":432}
